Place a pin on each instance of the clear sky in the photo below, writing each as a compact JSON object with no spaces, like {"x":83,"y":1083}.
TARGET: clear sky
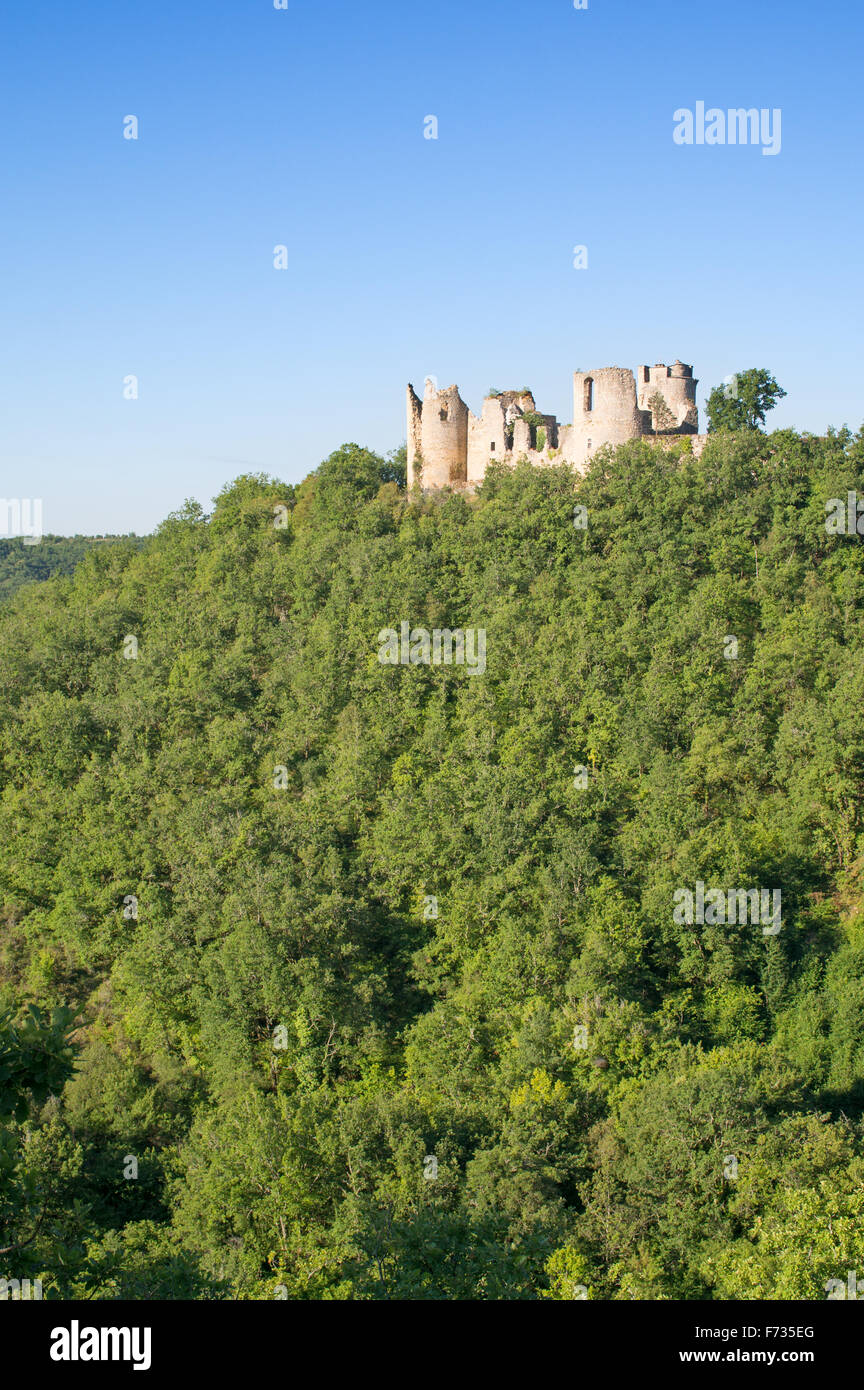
{"x":406,"y":256}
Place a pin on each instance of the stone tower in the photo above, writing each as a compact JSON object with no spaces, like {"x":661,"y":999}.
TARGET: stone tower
{"x":677,"y":387}
{"x":437,"y":437}
{"x":605,"y":411}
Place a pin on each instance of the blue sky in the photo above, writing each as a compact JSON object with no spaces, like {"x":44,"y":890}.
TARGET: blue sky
{"x":407,"y":257}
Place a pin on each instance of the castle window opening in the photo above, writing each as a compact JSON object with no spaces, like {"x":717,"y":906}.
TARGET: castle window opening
{"x":492,"y":447}
{"x":589,"y":393}
{"x":442,"y":415}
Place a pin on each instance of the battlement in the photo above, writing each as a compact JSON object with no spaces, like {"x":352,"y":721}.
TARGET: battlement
{"x":450,"y":446}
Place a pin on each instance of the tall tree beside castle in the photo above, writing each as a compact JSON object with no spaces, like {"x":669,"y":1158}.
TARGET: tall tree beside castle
{"x":743,"y":402}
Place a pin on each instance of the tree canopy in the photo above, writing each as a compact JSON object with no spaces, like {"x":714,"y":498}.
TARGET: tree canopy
{"x":323,"y":978}
{"x":743,"y":402}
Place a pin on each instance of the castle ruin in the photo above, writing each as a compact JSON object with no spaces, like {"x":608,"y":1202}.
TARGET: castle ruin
{"x":449,"y":446}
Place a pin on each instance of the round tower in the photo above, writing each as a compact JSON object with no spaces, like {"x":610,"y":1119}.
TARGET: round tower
{"x":676,"y":386}
{"x":681,"y":397}
{"x":443,"y":437}
{"x":604,"y":411}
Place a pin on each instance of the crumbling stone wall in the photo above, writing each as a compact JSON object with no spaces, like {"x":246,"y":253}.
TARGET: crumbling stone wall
{"x":415,"y":437}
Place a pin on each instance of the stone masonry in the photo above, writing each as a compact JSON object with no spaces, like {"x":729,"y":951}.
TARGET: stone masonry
{"x":449,"y":446}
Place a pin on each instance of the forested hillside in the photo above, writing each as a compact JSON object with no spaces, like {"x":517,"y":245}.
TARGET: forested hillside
{"x":22,"y":562}
{"x":377,"y":985}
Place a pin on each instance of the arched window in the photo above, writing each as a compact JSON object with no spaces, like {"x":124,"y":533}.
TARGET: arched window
{"x":588,"y":403}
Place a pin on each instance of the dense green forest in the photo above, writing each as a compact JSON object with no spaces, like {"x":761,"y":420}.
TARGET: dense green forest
{"x":326,"y":978}
{"x":22,"y":562}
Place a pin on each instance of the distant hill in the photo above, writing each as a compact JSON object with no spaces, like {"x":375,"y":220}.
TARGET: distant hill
{"x":22,"y":563}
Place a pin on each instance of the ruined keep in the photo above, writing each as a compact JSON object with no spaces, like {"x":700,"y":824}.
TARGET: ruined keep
{"x":449,"y":446}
